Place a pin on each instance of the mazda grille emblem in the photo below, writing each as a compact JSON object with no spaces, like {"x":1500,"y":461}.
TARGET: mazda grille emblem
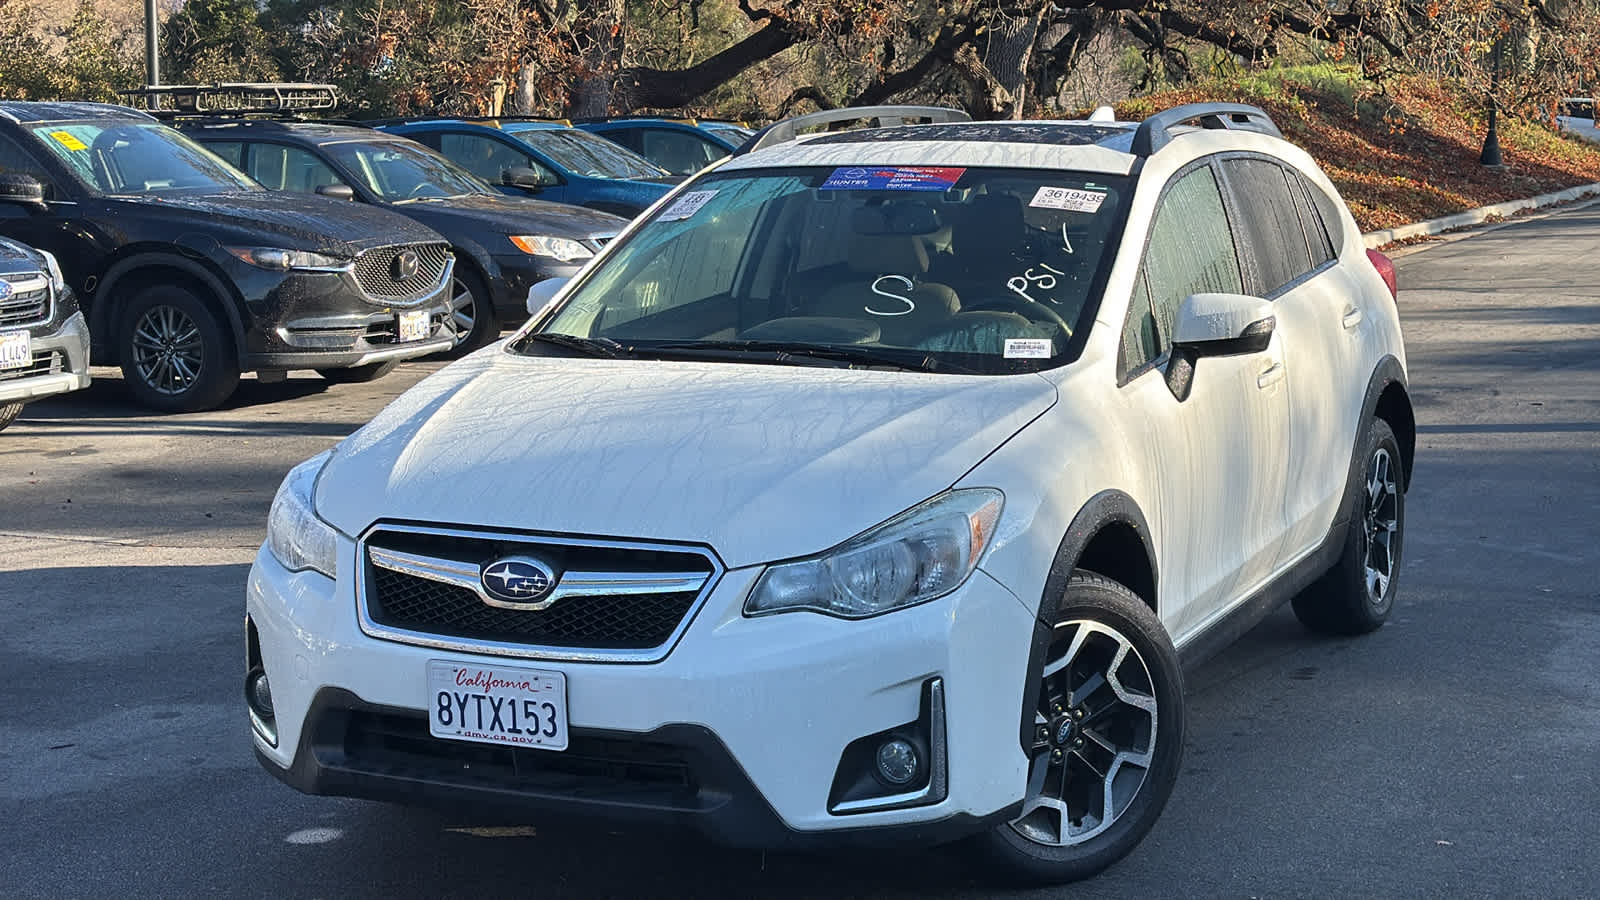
{"x":518,"y":580}
{"x":404,"y":265}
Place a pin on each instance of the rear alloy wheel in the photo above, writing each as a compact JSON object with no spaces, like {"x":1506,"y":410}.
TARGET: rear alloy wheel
{"x":1357,"y":594}
{"x":472,"y":320}
{"x":1106,"y":743}
{"x":175,"y":355}
{"x":9,"y":413}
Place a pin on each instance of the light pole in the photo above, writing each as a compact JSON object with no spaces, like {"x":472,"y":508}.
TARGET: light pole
{"x":1491,"y":142}
{"x":152,"y":45}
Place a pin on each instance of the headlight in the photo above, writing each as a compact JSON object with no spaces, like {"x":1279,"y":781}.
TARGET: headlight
{"x":564,"y":249}
{"x":919,"y":555}
{"x":58,"y":282}
{"x":284,"y":260}
{"x":295,"y":535}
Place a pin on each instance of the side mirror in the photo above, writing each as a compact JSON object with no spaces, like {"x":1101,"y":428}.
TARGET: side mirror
{"x":540,"y":295}
{"x":24,"y":189}
{"x":337,"y":191}
{"x":1224,"y":324}
{"x":1216,"y":325}
{"x":522,"y":177}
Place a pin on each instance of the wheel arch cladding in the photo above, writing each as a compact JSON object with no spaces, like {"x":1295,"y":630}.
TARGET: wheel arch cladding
{"x":1394,"y":406}
{"x":1110,"y":537}
{"x":129,"y":276}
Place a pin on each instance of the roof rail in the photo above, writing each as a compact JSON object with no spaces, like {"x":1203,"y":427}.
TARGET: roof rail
{"x":882,"y":116}
{"x":1156,"y":131}
{"x":239,"y":98}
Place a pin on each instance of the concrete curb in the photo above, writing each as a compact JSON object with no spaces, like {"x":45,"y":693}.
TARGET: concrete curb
{"x":1376,"y":239}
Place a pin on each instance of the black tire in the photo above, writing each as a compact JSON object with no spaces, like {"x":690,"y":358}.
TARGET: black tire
{"x":472,"y":316}
{"x":9,"y":413}
{"x":359,"y":374}
{"x":1351,"y":598}
{"x":1025,"y":850}
{"x":176,"y":353}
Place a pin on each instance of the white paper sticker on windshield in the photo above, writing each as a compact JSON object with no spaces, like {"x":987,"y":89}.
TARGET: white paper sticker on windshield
{"x":1029,"y":348}
{"x":1070,"y":199}
{"x":687,"y":205}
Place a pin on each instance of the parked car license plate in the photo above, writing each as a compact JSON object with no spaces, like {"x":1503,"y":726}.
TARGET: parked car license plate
{"x":413,"y":325}
{"x":497,"y":705}
{"x":16,"y":350}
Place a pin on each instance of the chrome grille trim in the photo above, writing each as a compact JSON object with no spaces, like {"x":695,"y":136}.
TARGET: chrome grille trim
{"x":29,"y":302}
{"x":455,"y":573}
{"x":371,"y":270}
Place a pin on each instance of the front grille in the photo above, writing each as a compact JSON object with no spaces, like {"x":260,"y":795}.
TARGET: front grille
{"x":624,"y":624}
{"x":374,"y":271}
{"x":597,"y":768}
{"x":26,"y":308}
{"x":45,"y":362}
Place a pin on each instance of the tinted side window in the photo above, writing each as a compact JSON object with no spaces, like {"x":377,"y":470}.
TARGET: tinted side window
{"x":1191,"y":250}
{"x":16,"y":161}
{"x":232,"y":151}
{"x":282,"y":168}
{"x":1269,"y":224}
{"x":1311,"y":220}
{"x":485,"y":157}
{"x":679,"y":152}
{"x":1327,"y":212}
{"x":1139,"y":341}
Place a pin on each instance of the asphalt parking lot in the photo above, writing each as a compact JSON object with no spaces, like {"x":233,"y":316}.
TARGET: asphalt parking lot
{"x":1453,"y":753}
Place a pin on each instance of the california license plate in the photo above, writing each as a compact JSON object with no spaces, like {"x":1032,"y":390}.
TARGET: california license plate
{"x":413,"y":325}
{"x":16,"y":350}
{"x":497,"y":705}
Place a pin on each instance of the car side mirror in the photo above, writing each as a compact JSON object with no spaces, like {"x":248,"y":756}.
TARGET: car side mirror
{"x":24,"y":189}
{"x":522,"y":177}
{"x":1216,"y":325}
{"x":540,"y":295}
{"x":337,"y":191}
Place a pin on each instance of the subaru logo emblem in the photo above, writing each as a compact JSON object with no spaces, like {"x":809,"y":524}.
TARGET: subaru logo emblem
{"x":5,"y":289}
{"x":520,"y":581}
{"x":404,"y":265}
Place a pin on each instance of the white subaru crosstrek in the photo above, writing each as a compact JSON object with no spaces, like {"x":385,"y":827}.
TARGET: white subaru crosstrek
{"x":875,"y":484}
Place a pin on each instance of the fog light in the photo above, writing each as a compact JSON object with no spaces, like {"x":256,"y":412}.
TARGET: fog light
{"x":897,"y":762}
{"x":259,"y":693}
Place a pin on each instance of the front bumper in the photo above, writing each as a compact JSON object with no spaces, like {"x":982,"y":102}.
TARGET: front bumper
{"x":64,"y":357}
{"x":757,"y":713}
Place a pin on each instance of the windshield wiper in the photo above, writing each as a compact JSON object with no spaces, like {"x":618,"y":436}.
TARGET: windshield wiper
{"x":605,"y":347}
{"x":782,"y":351}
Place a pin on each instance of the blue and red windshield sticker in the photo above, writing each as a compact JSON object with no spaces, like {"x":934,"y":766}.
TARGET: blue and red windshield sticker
{"x":893,"y":178}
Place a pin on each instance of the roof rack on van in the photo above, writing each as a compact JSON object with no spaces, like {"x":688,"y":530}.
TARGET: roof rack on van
{"x":476,"y":120}
{"x":238,"y":98}
{"x":880,"y":116}
{"x":1156,"y":131}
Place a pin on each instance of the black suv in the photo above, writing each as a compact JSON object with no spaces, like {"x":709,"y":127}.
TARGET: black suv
{"x":44,"y":343}
{"x":503,"y":245}
{"x":191,"y":273}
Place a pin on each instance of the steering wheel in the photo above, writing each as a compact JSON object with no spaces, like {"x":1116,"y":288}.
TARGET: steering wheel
{"x":416,"y":192}
{"x":1025,"y":308}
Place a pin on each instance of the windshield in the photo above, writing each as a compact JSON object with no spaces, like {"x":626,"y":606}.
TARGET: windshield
{"x":730,"y":133}
{"x":586,"y":154}
{"x":139,"y":158}
{"x":983,"y":270}
{"x":402,"y":171}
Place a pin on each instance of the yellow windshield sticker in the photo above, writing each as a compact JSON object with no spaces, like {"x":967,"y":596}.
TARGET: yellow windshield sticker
{"x":65,"y":139}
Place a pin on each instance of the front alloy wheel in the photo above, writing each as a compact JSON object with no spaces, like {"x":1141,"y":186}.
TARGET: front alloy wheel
{"x":167,"y":352}
{"x":176,"y":355}
{"x":1105,"y":743}
{"x":472,"y":321}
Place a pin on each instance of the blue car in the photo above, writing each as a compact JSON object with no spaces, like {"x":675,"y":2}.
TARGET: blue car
{"x":547,"y":159}
{"x":681,"y":146}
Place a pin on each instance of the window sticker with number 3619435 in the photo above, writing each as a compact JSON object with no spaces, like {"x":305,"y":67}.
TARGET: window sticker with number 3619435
{"x":1069,"y":199}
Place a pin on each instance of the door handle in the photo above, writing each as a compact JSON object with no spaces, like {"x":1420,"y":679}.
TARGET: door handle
{"x":1270,"y":376}
{"x":1352,"y":317}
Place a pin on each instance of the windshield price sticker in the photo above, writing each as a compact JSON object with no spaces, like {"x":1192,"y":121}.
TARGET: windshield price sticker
{"x":893,"y":178}
{"x":1070,"y":199}
{"x":687,"y":205}
{"x":69,"y":141}
{"x":1029,"y":348}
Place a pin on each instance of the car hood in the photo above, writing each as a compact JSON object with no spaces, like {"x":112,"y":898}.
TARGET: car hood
{"x":15,"y":257}
{"x":284,"y":219}
{"x":502,"y":214}
{"x":758,"y":462}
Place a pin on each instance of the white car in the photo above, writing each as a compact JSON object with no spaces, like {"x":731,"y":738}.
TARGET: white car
{"x":874,"y":485}
{"x":1578,"y":119}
